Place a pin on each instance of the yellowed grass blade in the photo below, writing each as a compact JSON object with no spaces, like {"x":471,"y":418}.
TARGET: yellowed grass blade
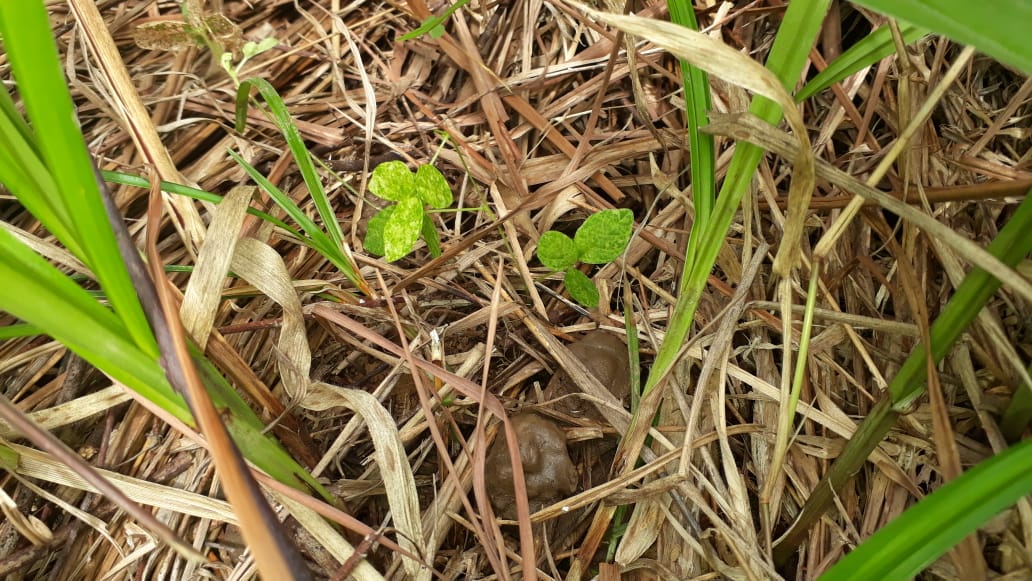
{"x":72,"y":411}
{"x":204,"y":291}
{"x":135,"y":116}
{"x":390,"y":456}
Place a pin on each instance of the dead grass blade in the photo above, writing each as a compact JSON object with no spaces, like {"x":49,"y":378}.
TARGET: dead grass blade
{"x":389,"y":453}
{"x":136,"y":118}
{"x":204,"y":291}
{"x":72,"y":411}
{"x":746,"y":127}
{"x":49,"y":443}
{"x":464,"y":386}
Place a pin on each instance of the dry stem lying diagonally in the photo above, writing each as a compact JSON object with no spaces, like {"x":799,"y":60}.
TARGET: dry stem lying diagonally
{"x":508,"y":92}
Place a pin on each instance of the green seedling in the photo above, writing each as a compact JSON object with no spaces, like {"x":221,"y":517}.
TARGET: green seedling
{"x":393,"y":231}
{"x":249,"y":50}
{"x":434,"y":25}
{"x":599,"y":240}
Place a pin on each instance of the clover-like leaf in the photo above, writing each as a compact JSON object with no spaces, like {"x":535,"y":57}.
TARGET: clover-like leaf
{"x":556,"y":250}
{"x":433,"y":243}
{"x":432,"y":188}
{"x":392,"y":180}
{"x":581,"y":288}
{"x":373,"y":242}
{"x":604,"y":236}
{"x":402,"y":228}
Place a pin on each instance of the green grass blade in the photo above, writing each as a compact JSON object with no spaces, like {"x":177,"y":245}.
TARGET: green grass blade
{"x":790,"y":50}
{"x":931,"y":527}
{"x":19,"y":330}
{"x":125,"y":179}
{"x":702,"y":149}
{"x":36,"y":292}
{"x":34,"y":61}
{"x":315,"y":238}
{"x":1011,"y":245}
{"x":1018,"y":414}
{"x":998,"y":28}
{"x":297,"y":147}
{"x":871,"y":49}
{"x":328,"y":242}
{"x":308,"y":226}
{"x":22,"y":170}
{"x":247,"y":431}
{"x":9,"y":111}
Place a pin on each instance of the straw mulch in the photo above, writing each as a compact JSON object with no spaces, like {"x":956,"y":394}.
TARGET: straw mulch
{"x":527,"y":105}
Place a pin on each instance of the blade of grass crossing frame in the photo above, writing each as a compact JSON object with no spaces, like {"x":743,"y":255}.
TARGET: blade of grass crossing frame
{"x":24,"y":172}
{"x":336,"y":252}
{"x":1010,"y":246}
{"x":701,"y":147}
{"x":39,"y":294}
{"x":30,"y":48}
{"x":788,"y":54}
{"x":19,"y":330}
{"x":999,"y":29}
{"x":926,"y":530}
{"x":181,"y":190}
{"x":1018,"y":414}
{"x":871,"y":49}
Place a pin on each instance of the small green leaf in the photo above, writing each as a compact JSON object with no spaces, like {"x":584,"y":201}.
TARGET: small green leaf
{"x":433,"y":243}
{"x":432,"y":188}
{"x":556,"y":251}
{"x":402,"y":228}
{"x":428,"y":25}
{"x":392,"y":180}
{"x":581,"y":288}
{"x":265,"y":44}
{"x":437,"y":32}
{"x":373,"y":242}
{"x":8,"y":459}
{"x":604,"y":236}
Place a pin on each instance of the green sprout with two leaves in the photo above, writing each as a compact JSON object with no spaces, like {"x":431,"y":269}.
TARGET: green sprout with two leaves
{"x":249,"y":50}
{"x":394,"y":230}
{"x":599,"y":240}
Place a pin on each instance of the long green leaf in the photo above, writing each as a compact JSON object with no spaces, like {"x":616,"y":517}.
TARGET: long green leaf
{"x":701,"y":146}
{"x":931,"y":527}
{"x":297,"y":147}
{"x":871,"y":49}
{"x":789,"y":52}
{"x":998,"y":28}
{"x":33,"y":55}
{"x":181,"y":190}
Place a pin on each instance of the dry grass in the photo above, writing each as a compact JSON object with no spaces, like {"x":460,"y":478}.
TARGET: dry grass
{"x":540,"y":118}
